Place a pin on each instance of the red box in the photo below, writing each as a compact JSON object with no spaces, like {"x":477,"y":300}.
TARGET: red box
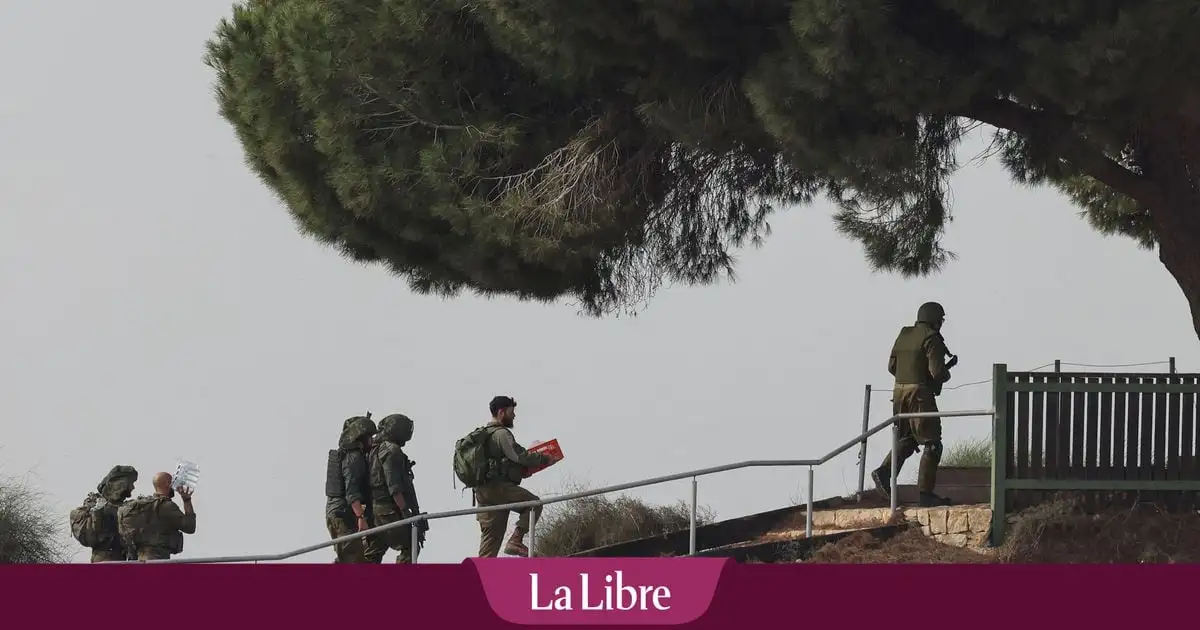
{"x":550,"y":448}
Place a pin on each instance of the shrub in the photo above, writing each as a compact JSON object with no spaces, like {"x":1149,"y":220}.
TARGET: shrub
{"x":573,"y":526}
{"x":30,"y":533}
{"x":1063,"y":530}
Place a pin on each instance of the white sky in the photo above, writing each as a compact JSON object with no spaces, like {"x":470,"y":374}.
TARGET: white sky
{"x":159,"y":304}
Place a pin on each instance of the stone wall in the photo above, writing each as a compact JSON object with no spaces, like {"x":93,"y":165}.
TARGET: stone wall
{"x":960,"y":526}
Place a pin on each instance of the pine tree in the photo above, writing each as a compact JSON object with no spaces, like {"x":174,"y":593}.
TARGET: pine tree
{"x":541,"y":148}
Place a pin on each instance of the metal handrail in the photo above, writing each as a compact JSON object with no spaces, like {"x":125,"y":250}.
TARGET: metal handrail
{"x":693,"y":474}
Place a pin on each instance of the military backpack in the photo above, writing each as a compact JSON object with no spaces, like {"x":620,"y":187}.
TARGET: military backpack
{"x":137,"y":521}
{"x":471,"y":458}
{"x":83,"y":526}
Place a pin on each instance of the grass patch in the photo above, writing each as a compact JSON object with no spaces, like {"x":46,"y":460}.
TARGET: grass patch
{"x":969,"y":453}
{"x":573,"y":526}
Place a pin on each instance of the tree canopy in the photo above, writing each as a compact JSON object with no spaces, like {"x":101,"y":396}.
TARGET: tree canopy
{"x":542,"y":149}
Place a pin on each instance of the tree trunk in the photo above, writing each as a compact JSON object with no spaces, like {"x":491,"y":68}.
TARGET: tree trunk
{"x":1179,"y":251}
{"x":1172,"y":157}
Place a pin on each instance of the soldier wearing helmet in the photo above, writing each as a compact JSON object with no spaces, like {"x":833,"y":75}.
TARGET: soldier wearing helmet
{"x":393,"y":494}
{"x":918,"y":362}
{"x":348,"y":489}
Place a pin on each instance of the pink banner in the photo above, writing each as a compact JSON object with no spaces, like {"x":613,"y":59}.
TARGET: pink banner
{"x":498,"y":594}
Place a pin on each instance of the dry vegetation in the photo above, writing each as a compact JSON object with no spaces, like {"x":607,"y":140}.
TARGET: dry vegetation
{"x":582,"y":524}
{"x":1059,"y":531}
{"x":30,"y":532}
{"x":907,"y":547}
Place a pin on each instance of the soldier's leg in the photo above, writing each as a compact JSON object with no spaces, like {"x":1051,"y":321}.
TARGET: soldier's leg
{"x":491,"y":533}
{"x":402,"y":543}
{"x":928,"y":433}
{"x":153,"y":553}
{"x":375,"y":546}
{"x":516,"y":544}
{"x":903,"y":401}
{"x":107,"y":555}
{"x":349,"y":552}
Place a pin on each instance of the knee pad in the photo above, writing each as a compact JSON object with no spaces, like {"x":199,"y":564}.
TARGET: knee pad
{"x":933,"y":450}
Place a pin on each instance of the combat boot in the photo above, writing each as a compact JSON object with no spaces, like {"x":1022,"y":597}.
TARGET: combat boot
{"x":929,"y":499}
{"x":883,"y":482}
{"x":516,"y":545}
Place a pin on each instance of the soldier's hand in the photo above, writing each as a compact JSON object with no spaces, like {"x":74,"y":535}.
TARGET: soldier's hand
{"x":185,"y":493}
{"x":952,"y":362}
{"x":362,"y":524}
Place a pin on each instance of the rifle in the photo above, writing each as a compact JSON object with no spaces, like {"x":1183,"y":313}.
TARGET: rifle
{"x":412,"y":507}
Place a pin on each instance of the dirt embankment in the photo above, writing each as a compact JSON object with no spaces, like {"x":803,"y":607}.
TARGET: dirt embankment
{"x":1059,"y":532}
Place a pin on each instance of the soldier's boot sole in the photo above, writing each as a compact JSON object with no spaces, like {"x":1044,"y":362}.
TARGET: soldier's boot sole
{"x":933,"y":500}
{"x":882,"y":486}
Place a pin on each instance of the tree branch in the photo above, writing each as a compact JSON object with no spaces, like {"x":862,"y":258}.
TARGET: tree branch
{"x":1010,"y":115}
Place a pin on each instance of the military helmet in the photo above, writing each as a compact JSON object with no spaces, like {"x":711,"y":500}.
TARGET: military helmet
{"x":931,"y":313}
{"x":355,"y":429}
{"x":396,"y":428}
{"x":128,"y":473}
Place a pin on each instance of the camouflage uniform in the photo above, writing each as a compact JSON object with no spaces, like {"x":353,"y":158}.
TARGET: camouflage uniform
{"x":507,"y":463}
{"x":390,"y":475}
{"x":161,"y":536}
{"x":918,"y":362}
{"x":349,"y":482}
{"x":98,"y":526}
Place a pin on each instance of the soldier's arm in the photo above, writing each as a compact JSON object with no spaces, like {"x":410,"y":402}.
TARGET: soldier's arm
{"x":395,"y":478}
{"x":892,"y":364}
{"x":174,"y":518}
{"x":354,"y":472}
{"x":935,"y":353}
{"x":517,"y":453}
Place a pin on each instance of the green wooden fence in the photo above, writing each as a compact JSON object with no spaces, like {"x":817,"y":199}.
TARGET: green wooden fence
{"x":1103,"y":434}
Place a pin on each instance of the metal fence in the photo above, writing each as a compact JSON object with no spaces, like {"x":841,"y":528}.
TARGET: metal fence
{"x":693,"y":474}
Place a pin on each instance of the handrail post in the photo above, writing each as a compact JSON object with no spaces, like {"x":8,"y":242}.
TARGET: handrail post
{"x":415,"y":529}
{"x":808,"y":515}
{"x":1171,"y":362}
{"x":862,"y":448}
{"x":692,"y":521}
{"x":895,"y":465}
{"x":532,"y":528}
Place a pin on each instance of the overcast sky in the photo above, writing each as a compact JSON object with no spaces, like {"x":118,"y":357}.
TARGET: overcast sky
{"x":159,"y":304}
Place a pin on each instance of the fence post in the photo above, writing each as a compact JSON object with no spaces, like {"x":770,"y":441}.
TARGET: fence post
{"x":1057,"y":365}
{"x":808,"y":510}
{"x":692,"y":521}
{"x":1172,"y":362}
{"x":532,"y":535}
{"x":1000,"y":439}
{"x":862,"y":447}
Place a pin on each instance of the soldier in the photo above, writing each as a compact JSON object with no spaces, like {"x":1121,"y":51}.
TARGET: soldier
{"x":393,"y":496}
{"x":348,"y":488}
{"x":153,"y":526}
{"x":94,"y":524}
{"x":507,"y":466}
{"x":918,"y":361}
